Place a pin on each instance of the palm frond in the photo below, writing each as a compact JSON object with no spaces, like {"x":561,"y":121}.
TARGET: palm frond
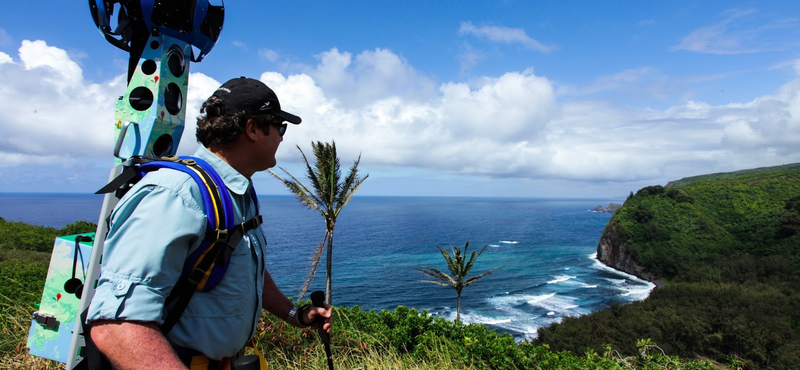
{"x":343,"y":202}
{"x":315,"y":258}
{"x":312,"y":175}
{"x":327,"y":171}
{"x":350,"y":184}
{"x":436,"y":274}
{"x":435,"y":282}
{"x":476,"y":278}
{"x":301,"y":192}
{"x":460,"y":267}
{"x":455,"y":263}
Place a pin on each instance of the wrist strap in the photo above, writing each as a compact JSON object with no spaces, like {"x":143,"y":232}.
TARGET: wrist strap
{"x":302,"y":315}
{"x":291,"y":314}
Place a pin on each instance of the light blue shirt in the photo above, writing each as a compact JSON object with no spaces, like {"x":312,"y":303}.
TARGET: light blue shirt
{"x":153,"y":229}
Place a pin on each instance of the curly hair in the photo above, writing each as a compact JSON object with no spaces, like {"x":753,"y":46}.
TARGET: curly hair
{"x":214,"y":129}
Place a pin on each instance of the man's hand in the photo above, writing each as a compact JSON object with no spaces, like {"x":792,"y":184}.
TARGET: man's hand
{"x":312,"y":313}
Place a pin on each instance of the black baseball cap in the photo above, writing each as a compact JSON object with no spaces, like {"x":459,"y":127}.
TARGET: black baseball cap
{"x":253,"y":97}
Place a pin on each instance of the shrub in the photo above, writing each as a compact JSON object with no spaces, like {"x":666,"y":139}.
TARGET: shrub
{"x":650,"y":190}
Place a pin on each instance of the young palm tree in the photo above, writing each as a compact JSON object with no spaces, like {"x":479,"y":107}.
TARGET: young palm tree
{"x":459,"y":267}
{"x":330,"y":194}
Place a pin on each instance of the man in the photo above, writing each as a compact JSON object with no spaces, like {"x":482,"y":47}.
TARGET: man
{"x":161,"y":220}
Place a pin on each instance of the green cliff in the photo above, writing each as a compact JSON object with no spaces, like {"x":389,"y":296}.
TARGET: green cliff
{"x":725,"y":249}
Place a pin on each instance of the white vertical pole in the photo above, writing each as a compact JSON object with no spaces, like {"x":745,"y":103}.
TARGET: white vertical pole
{"x":93,"y":273}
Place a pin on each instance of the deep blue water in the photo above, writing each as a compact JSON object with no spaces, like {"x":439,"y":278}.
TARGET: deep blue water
{"x":547,"y":247}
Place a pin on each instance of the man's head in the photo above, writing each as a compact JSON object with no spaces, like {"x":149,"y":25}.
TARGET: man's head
{"x":233,"y":104}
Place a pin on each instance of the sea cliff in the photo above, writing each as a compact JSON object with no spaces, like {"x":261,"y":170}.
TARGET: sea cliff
{"x":614,"y":253}
{"x":726,"y":246}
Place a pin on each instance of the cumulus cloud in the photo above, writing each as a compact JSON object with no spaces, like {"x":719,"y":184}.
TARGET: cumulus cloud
{"x":505,"y":35}
{"x":49,"y":110}
{"x":509,"y":126}
{"x":369,"y":76}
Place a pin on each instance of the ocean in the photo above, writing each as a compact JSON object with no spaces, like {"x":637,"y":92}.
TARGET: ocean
{"x":547,"y":248}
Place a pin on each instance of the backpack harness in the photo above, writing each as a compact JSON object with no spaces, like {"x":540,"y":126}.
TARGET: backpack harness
{"x":205,"y":267}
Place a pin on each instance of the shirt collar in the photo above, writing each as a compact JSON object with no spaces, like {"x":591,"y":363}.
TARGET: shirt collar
{"x":233,"y":180}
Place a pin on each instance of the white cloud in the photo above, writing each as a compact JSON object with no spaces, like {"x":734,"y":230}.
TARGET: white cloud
{"x":200,"y":88}
{"x":376,"y":104}
{"x":5,"y":39}
{"x":639,"y":84}
{"x":505,"y":35}
{"x":37,"y":55}
{"x":48,"y":110}
{"x":469,"y":57}
{"x":369,"y":76}
{"x":631,"y":79}
{"x":241,"y":45}
{"x":270,"y":55}
{"x":742,"y":31}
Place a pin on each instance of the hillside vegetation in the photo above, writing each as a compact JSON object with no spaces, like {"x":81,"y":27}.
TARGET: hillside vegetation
{"x":400,"y":339}
{"x":726,"y":249}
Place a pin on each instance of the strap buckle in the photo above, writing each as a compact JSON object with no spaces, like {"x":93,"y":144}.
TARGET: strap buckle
{"x":196,"y":276}
{"x":220,"y":235}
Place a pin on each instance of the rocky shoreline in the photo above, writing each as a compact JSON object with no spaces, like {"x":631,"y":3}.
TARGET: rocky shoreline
{"x":616,"y":256}
{"x":612,"y":207}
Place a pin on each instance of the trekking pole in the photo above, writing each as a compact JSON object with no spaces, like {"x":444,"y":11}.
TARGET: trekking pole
{"x":317,"y":299}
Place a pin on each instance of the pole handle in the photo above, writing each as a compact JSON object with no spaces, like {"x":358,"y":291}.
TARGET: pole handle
{"x":317,"y":300}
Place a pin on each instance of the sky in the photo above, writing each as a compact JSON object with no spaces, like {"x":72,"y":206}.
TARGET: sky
{"x":580,"y":99}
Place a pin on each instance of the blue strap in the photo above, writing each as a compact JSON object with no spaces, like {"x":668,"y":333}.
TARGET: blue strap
{"x":227,"y":203}
{"x":208,"y":202}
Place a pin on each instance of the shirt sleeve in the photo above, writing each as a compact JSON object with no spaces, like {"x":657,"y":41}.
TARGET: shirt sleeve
{"x":151,"y":233}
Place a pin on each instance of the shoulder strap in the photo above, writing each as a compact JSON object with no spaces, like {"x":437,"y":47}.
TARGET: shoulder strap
{"x":205,"y":267}
{"x":217,"y":204}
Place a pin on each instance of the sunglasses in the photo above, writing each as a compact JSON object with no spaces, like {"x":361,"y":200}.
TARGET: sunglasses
{"x":280,"y":126}
{"x":278,"y":123}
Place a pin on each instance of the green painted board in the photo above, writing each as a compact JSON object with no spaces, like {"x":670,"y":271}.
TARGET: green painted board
{"x":53,"y":342}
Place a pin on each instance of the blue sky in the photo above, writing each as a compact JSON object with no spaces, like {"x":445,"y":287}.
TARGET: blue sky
{"x":504,"y":98}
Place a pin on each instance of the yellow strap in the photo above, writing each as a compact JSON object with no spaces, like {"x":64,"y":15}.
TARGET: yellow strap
{"x":261,"y":360}
{"x":207,"y":275}
{"x":216,"y":209}
{"x":202,"y":363}
{"x":199,"y":363}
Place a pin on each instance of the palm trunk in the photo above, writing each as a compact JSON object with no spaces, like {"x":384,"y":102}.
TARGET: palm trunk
{"x":328,"y":279}
{"x":458,"y":308}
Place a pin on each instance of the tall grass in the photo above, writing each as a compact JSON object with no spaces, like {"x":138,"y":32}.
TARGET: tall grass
{"x":356,"y":346}
{"x":15,"y":321}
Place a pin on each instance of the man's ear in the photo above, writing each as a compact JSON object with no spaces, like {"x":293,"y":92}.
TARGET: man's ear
{"x":251,"y":129}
